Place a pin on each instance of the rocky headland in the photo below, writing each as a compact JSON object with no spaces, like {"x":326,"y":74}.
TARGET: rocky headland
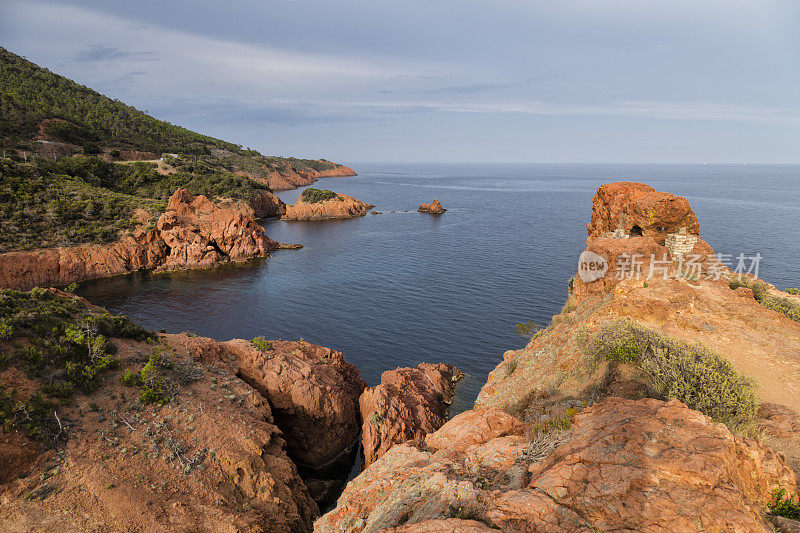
{"x":664,"y":401}
{"x":316,"y":204}
{"x":657,"y":402}
{"x":433,"y":208}
{"x":284,"y":177}
{"x":193,"y":232}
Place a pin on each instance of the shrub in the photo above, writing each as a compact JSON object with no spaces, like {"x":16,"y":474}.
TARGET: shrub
{"x":6,"y":329}
{"x":153,"y":381}
{"x":794,"y":291}
{"x":130,"y":378}
{"x":313,"y":196}
{"x":262,"y":344}
{"x":760,"y":289}
{"x":691,"y":373}
{"x":527,"y":329}
{"x":785,"y":505}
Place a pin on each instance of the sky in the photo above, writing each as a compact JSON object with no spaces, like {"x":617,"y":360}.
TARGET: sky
{"x":578,"y":81}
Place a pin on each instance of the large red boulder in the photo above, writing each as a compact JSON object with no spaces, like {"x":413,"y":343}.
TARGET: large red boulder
{"x":313,"y":392}
{"x":408,"y":404}
{"x":636,"y":209}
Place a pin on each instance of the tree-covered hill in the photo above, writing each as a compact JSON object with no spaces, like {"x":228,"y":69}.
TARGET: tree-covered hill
{"x":30,"y":95}
{"x":77,"y":193}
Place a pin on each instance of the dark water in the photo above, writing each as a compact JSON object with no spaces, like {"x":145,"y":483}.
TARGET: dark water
{"x":400,"y":288}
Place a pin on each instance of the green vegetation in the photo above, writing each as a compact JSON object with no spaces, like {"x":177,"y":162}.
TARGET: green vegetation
{"x":527,"y":329}
{"x":793,"y":291}
{"x":81,"y":116}
{"x":312,"y":196}
{"x":561,"y":422}
{"x":785,"y":505}
{"x":60,"y":343}
{"x":81,"y":199}
{"x":692,"y":373}
{"x":154,"y":384}
{"x":760,"y":289}
{"x":262,"y":344}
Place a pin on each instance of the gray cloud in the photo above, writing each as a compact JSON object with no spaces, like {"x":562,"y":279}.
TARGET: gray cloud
{"x":99,"y":52}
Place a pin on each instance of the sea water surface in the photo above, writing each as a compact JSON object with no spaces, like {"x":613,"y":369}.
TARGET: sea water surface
{"x":402,"y":287}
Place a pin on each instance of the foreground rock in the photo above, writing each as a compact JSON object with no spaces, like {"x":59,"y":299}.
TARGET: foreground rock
{"x":408,"y":404}
{"x":434,"y":208}
{"x":192,"y":233}
{"x":313,"y":392}
{"x":340,"y":207}
{"x":624,"y":465}
{"x":212,"y":459}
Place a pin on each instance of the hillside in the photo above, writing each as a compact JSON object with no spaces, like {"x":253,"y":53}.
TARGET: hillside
{"x":80,"y":168}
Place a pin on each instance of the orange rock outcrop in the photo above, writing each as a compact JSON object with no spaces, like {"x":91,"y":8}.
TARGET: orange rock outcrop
{"x":408,"y":404}
{"x":434,"y":208}
{"x":192,"y":233}
{"x":339,"y":208}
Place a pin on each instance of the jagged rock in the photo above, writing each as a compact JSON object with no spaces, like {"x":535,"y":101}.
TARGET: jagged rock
{"x":408,"y":404}
{"x":286,"y":178}
{"x":627,"y":465}
{"x":434,"y":208}
{"x":192,"y":233}
{"x":313,"y":392}
{"x":198,"y":233}
{"x":212,"y":459}
{"x":340,"y":207}
{"x":267,"y":204}
{"x":636,"y":209}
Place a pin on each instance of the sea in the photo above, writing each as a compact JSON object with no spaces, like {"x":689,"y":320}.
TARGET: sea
{"x":399,"y":288}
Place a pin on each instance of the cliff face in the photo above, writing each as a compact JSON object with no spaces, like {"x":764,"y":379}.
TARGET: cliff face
{"x":192,"y":233}
{"x":408,"y":404}
{"x":220,"y":455}
{"x":287,"y":177}
{"x":338,"y":208}
{"x":576,"y":431}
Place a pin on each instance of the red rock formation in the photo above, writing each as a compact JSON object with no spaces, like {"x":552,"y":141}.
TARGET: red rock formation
{"x":313,"y":392}
{"x":62,"y":266}
{"x":639,"y":210}
{"x":627,"y":465}
{"x":200,"y":234}
{"x":212,"y":459}
{"x":408,"y":404}
{"x":434,"y":208}
{"x":287,"y":178}
{"x":267,"y":205}
{"x":640,"y":233}
{"x":192,"y":233}
{"x":341,"y":207}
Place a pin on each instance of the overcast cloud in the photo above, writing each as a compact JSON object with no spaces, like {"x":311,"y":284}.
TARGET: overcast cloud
{"x":515,"y":81}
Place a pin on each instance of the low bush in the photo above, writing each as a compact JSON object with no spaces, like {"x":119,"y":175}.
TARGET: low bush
{"x":692,"y":373}
{"x":785,"y":505}
{"x":312,"y":196}
{"x":262,"y":344}
{"x":793,"y":291}
{"x":760,"y":289}
{"x":527,"y":329}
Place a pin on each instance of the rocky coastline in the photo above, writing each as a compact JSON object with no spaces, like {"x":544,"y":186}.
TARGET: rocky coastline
{"x":648,"y":403}
{"x":193,"y":232}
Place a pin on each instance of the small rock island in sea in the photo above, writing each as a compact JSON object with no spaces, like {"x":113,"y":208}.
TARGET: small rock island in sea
{"x":434,"y":208}
{"x":318,"y":204}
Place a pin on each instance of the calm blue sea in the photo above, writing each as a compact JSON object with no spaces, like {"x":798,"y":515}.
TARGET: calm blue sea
{"x":400,"y":288}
